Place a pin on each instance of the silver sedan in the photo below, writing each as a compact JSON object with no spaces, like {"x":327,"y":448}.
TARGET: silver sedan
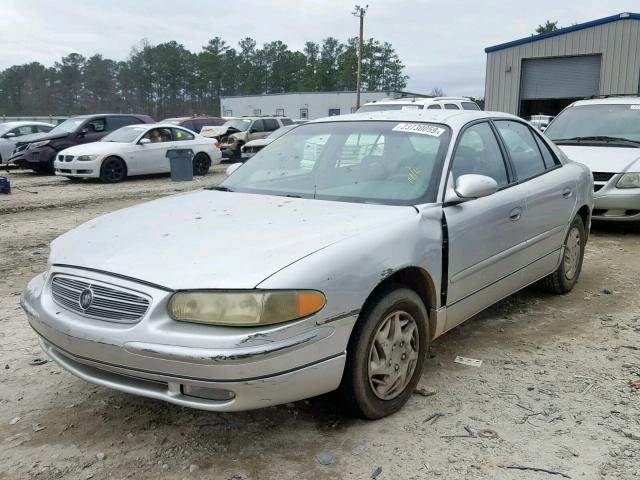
{"x":350,"y":243}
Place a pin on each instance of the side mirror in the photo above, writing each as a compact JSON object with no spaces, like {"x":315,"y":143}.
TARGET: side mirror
{"x":469,"y":187}
{"x":10,"y":135}
{"x":233,"y":167}
{"x":144,"y":141}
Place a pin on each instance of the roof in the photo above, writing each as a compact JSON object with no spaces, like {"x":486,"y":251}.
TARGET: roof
{"x":23,"y":122}
{"x":417,"y":100}
{"x":454,"y":118}
{"x":562,"y":31}
{"x":193,"y":117}
{"x":623,"y":100}
{"x":349,"y":92}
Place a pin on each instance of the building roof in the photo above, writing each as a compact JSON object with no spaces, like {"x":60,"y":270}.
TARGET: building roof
{"x":562,"y":31}
{"x":351,"y":92}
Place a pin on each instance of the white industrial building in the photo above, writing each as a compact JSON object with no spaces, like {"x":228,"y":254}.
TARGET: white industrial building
{"x":544,"y":73}
{"x":301,"y":105}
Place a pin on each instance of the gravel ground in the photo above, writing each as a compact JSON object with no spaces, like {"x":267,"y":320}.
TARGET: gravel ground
{"x":552,"y":392}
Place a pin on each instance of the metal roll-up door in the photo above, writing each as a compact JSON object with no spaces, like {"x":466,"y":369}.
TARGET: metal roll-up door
{"x":561,"y":77}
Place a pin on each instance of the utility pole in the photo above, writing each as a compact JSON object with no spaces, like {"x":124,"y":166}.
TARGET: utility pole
{"x":360,"y":12}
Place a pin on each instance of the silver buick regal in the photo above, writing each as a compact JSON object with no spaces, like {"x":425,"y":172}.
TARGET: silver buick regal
{"x":329,"y":261}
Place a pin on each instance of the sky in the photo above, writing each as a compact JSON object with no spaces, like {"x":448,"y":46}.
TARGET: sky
{"x":440,"y":42}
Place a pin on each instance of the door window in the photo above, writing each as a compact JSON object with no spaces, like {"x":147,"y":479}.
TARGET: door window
{"x":96,"y":125}
{"x":41,"y":129}
{"x":181,"y":135}
{"x":119,"y":122}
{"x":24,"y":130}
{"x":470,"y":106}
{"x":257,"y":127}
{"x":478,"y":153}
{"x":522,"y":147}
{"x":189,"y":124}
{"x":549,"y":158}
{"x":451,"y":106}
{"x":435,"y":106}
{"x":159,"y":135}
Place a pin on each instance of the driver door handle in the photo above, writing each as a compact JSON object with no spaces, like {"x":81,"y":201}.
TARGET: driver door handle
{"x":567,"y":193}
{"x":515,"y":214}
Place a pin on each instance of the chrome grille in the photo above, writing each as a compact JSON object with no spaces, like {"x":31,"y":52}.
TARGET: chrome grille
{"x":109,"y":303}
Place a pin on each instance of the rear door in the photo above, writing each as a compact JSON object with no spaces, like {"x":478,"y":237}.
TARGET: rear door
{"x":486,"y":237}
{"x":550,"y":189}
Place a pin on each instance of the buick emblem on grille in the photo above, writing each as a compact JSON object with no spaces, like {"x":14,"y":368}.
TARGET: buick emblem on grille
{"x":86,"y":297}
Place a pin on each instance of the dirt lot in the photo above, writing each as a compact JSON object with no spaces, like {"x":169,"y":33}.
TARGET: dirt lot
{"x":552,"y":392}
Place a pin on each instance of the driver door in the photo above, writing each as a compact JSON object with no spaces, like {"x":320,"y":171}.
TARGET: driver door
{"x":152,"y":157}
{"x":92,"y":131}
{"x":486,"y":238}
{"x":257,"y":130}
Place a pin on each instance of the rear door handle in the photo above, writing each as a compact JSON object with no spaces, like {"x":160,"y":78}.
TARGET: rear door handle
{"x":567,"y":193}
{"x":515,"y":214}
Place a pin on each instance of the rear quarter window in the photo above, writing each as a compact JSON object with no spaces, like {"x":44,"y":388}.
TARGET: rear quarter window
{"x":470,"y":106}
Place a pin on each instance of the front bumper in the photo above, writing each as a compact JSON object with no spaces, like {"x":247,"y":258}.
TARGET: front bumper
{"x":74,"y":168}
{"x":236,"y":368}
{"x":33,"y":157}
{"x":616,"y":204}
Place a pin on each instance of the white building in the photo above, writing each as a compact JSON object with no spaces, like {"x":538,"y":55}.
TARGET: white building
{"x":301,"y":105}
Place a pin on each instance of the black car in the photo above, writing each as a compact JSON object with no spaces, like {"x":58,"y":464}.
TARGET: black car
{"x":195,"y":124}
{"x":38,"y":151}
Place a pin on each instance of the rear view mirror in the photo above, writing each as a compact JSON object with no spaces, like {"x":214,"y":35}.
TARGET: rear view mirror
{"x":233,"y":167}
{"x":144,"y":141}
{"x":469,"y":187}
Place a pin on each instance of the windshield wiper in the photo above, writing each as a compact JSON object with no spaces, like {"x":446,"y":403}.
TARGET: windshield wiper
{"x":598,"y":138}
{"x":220,"y":189}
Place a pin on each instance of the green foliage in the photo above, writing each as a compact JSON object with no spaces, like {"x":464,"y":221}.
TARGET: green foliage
{"x":549,"y":26}
{"x":167,"y":79}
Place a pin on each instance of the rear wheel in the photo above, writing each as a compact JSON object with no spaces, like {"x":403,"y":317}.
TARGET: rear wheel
{"x":566,"y":276}
{"x":201,"y":164}
{"x":113,"y":170}
{"x":386,"y":354}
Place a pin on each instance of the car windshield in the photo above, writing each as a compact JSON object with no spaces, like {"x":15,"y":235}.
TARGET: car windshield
{"x":368,"y":161}
{"x":68,"y":126}
{"x":124,"y":134}
{"x":240,"y":124}
{"x":596,"y":122}
{"x":381,"y":107}
{"x":281,"y":131}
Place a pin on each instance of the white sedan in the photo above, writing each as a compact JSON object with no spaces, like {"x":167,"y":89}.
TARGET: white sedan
{"x":136,"y":150}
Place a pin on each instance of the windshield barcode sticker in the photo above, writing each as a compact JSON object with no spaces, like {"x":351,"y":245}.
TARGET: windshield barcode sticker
{"x":420,"y":128}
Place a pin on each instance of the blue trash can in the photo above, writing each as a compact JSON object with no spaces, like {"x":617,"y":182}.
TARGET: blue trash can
{"x":181,"y":163}
{"x":5,"y":185}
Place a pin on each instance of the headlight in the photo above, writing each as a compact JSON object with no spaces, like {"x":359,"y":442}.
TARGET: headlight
{"x":244,"y":309}
{"x":629,"y":180}
{"x":86,"y":158}
{"x":39,"y":144}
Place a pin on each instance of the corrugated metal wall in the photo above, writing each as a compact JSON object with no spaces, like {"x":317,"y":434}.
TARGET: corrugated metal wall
{"x":618,"y":43}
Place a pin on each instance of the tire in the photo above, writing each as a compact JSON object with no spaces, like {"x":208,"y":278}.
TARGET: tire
{"x":201,"y":164}
{"x":363,"y":391}
{"x":566,"y":276}
{"x":113,"y":170}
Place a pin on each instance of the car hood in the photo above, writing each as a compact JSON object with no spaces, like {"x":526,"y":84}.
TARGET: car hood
{"x":604,"y":159}
{"x":214,"y":131}
{"x":260,"y":142}
{"x":94,"y":148}
{"x":214,"y":239}
{"x":39,"y":137}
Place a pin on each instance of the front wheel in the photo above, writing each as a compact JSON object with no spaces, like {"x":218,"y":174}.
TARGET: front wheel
{"x":113,"y":170}
{"x":201,"y":164}
{"x":386,"y":354}
{"x":566,"y":276}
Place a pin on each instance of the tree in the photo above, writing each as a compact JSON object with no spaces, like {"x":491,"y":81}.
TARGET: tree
{"x":549,"y":26}
{"x":437,"y":92}
{"x":168,"y":80}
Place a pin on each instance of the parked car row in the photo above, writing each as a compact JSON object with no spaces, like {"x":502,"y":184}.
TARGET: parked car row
{"x":107,"y":146}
